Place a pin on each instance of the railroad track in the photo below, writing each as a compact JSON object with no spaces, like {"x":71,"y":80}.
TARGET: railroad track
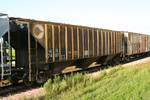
{"x":10,"y":89}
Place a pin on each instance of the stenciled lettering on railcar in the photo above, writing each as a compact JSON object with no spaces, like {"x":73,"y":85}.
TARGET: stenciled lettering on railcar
{"x":38,"y":31}
{"x":50,"y":55}
{"x":86,"y":52}
{"x":56,"y":53}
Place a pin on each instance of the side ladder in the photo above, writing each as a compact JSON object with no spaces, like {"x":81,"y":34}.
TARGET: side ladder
{"x":5,"y":49}
{"x":32,"y":54}
{"x":5,"y":59}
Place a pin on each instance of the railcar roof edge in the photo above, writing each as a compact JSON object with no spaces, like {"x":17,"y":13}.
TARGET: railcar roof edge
{"x":56,"y":23}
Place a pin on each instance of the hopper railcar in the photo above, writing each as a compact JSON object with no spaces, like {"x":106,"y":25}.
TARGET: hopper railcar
{"x":46,"y":48}
{"x":136,"y":45}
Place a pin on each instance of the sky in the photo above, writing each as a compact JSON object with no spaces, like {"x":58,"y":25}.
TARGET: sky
{"x":120,"y":15}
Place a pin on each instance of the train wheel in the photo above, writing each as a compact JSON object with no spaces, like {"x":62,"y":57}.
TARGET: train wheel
{"x":116,"y":61}
{"x":13,"y":80}
{"x":41,"y":80}
{"x":127,"y":58}
{"x":26,"y":81}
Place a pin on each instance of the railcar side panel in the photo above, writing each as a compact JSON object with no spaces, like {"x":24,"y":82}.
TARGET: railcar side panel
{"x":85,"y":43}
{"x":75,"y":42}
{"x":137,"y":43}
{"x":95,"y":42}
{"x":148,"y":43}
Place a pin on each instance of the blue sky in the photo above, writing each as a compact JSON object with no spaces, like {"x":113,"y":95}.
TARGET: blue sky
{"x":121,"y":15}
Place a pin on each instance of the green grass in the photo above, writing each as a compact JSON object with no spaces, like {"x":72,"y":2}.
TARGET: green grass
{"x":117,"y":83}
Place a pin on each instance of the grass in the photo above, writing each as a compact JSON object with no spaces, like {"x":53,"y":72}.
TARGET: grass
{"x":132,"y":82}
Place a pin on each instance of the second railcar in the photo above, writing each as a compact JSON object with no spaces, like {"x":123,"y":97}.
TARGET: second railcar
{"x":136,"y":44}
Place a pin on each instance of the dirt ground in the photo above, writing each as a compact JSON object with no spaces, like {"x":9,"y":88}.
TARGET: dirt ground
{"x":138,"y":62}
{"x":26,"y":94}
{"x":133,"y":63}
{"x":40,"y":91}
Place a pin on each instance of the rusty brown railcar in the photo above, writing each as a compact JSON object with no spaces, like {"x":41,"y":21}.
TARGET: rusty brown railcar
{"x":46,"y":48}
{"x":43,"y":49}
{"x":137,"y":44}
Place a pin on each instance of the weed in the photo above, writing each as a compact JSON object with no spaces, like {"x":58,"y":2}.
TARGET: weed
{"x":57,"y":79}
{"x":25,"y":98}
{"x":48,"y":86}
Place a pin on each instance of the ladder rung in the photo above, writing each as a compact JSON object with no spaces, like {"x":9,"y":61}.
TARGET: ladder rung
{"x":6,"y":65}
{"x":33,"y":48}
{"x":5,"y":56}
{"x":6,"y":74}
{"x":5,"y":47}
